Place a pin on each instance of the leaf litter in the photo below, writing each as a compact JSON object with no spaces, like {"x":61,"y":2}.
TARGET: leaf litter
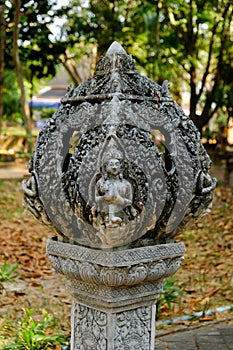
{"x":205,"y":274}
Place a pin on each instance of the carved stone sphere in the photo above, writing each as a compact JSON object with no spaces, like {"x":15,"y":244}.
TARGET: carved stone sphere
{"x":119,"y":163}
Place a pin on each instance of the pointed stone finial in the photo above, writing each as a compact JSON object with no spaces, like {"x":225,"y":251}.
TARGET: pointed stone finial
{"x":115,"y":47}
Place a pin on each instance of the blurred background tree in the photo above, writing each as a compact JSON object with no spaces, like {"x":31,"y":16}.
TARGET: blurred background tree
{"x":11,"y":101}
{"x":2,"y":60}
{"x":29,"y":51}
{"x":185,"y":41}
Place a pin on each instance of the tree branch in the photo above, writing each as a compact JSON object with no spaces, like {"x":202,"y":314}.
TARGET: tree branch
{"x":19,"y":73}
{"x":217,"y":77}
{"x":205,"y":75}
{"x":70,"y":66}
{"x":2,"y":61}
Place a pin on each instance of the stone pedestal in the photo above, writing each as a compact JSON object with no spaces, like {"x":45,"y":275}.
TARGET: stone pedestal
{"x":114,"y":292}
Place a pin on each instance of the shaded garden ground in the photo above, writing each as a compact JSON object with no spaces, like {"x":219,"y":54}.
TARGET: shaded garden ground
{"x":205,"y":275}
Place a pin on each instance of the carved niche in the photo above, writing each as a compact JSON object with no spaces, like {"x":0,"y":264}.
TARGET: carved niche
{"x":119,"y":162}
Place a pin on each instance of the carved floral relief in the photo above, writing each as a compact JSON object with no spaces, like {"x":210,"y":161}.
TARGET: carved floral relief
{"x":119,"y":163}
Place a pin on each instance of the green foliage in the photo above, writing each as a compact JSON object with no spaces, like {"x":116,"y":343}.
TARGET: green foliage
{"x":221,"y":120}
{"x":38,"y":52}
{"x":170,"y":295}
{"x":11,"y":100}
{"x":7,"y":271}
{"x":34,"y":332}
{"x":186,"y":42}
{"x":46,"y":113}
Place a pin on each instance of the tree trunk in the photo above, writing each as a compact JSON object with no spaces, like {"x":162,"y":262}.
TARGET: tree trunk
{"x":2,"y":61}
{"x":19,"y":73}
{"x":70,"y":66}
{"x":78,"y":75}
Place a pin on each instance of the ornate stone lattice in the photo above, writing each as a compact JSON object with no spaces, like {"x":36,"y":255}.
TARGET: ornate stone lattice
{"x":131,"y":330}
{"x":91,"y":328}
{"x":114,"y":279}
{"x":119,"y":163}
{"x":116,"y":276}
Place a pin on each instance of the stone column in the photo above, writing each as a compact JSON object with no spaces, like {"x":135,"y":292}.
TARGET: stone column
{"x":95,"y":329}
{"x":114,"y":292}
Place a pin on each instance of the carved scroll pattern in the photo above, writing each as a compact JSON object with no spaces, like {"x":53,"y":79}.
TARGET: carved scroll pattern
{"x":90,"y":328}
{"x":133,"y":329}
{"x":116,"y":258}
{"x":99,"y":293}
{"x":164,"y":198}
{"x":114,"y":277}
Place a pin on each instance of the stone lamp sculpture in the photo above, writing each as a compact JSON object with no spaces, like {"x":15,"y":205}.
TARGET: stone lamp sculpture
{"x":117,"y":172}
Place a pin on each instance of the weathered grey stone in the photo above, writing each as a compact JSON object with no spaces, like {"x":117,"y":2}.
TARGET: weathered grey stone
{"x":119,"y":163}
{"x":117,"y":172}
{"x":114,"y":292}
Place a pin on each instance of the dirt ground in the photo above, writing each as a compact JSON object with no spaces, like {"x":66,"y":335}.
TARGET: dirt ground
{"x":13,"y":170}
{"x":205,"y":275}
{"x":23,"y":240}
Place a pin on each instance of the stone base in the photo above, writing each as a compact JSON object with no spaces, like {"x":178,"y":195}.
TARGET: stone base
{"x":114,"y":292}
{"x":128,"y":330}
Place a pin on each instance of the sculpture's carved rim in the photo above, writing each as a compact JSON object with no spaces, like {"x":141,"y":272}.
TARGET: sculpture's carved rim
{"x":115,"y":258}
{"x":105,"y":97}
{"x":116,"y":299}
